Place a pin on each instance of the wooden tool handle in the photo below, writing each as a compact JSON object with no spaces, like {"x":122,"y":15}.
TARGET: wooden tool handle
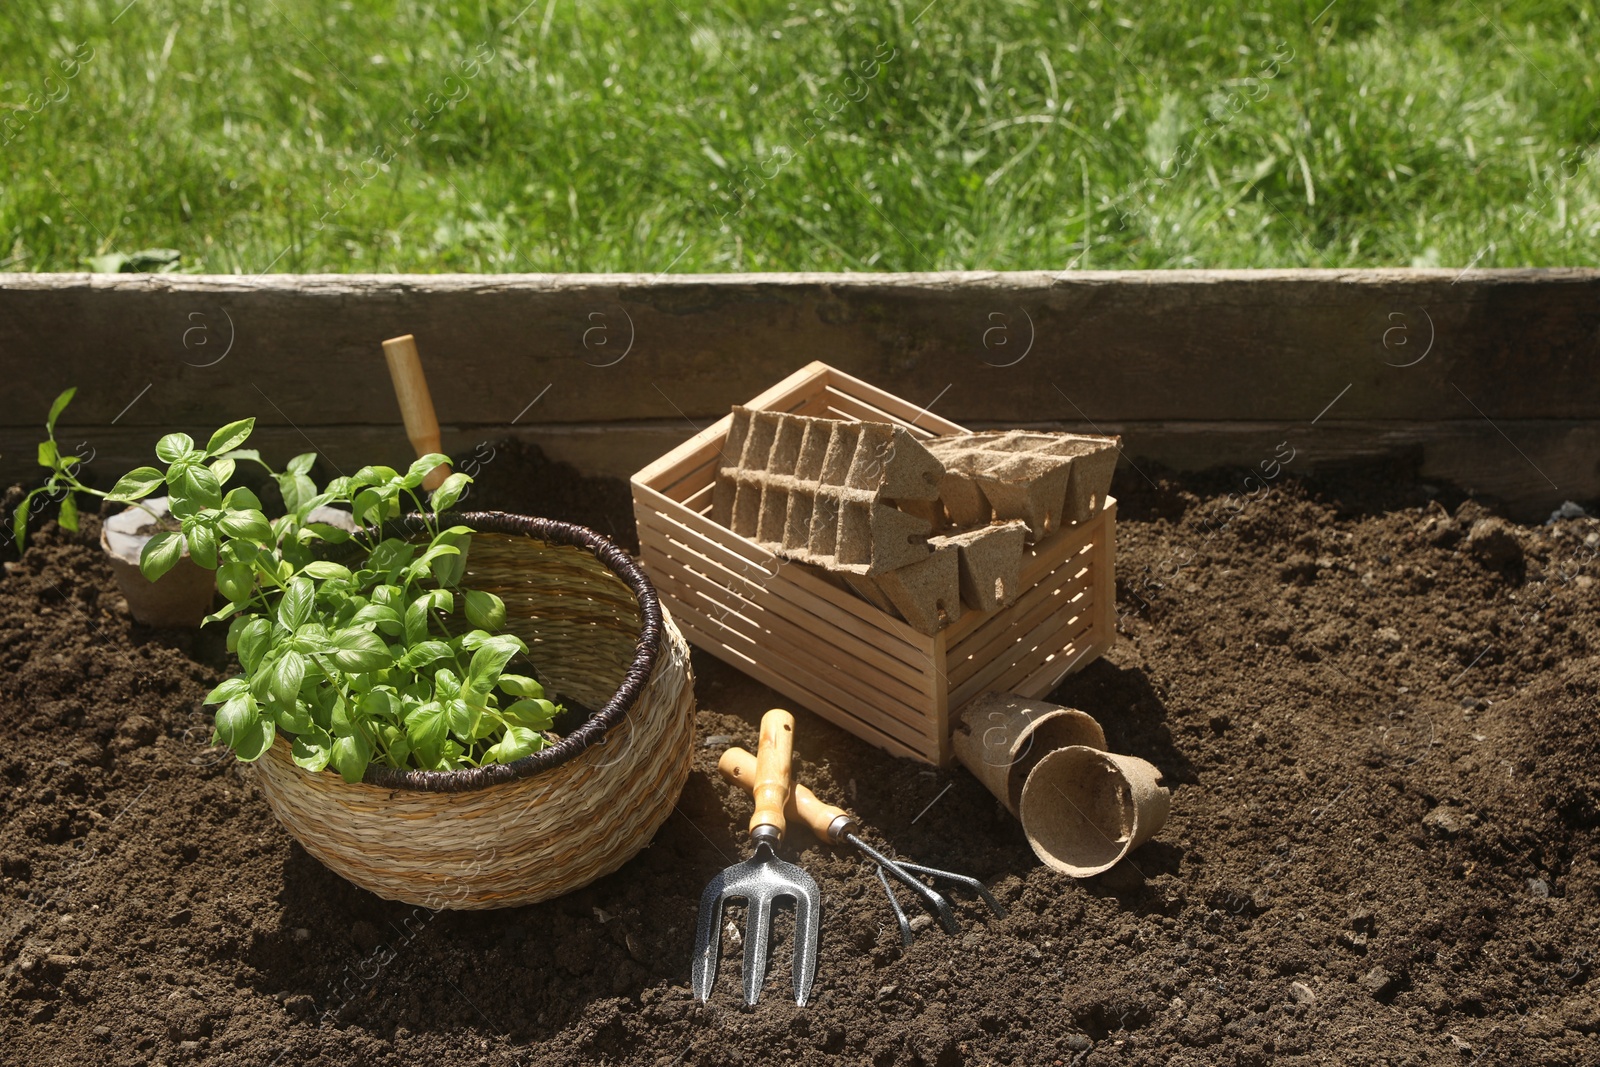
{"x":774,"y":772}
{"x":416,"y":405}
{"x":826,"y":821}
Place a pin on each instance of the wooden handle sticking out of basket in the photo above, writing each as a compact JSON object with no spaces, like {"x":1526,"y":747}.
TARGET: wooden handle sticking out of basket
{"x":829,"y":823}
{"x":774,"y":774}
{"x":416,"y":405}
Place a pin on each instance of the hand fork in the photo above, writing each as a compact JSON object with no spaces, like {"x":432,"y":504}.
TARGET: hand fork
{"x":762,"y":879}
{"x":835,"y":826}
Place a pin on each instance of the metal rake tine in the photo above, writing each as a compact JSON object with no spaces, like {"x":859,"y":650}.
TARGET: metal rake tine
{"x":894,"y":902}
{"x":757,"y":930}
{"x":934,"y":900}
{"x":959,"y":879}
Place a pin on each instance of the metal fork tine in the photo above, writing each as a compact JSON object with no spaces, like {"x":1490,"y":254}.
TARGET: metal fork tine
{"x":710,"y":937}
{"x":807,"y":925}
{"x":757,"y":928}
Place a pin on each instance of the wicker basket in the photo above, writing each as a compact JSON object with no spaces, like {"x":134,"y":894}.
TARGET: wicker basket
{"x":505,"y":835}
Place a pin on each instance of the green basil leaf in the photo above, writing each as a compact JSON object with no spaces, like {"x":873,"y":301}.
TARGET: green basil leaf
{"x":295,"y":719}
{"x":296,"y":490}
{"x":359,"y":650}
{"x":417,"y":621}
{"x":252,"y":642}
{"x":446,"y":685}
{"x":444,"y":498}
{"x":423,"y":653}
{"x":137,"y":484}
{"x":427,"y":730}
{"x":48,"y":454}
{"x":334,"y":535}
{"x":485,"y":611}
{"x":247,"y":524}
{"x":519,"y":685}
{"x":534,"y":714}
{"x":173,"y":447}
{"x":226,"y":611}
{"x":202,"y":546}
{"x":68,"y":519}
{"x":368,"y":507}
{"x":201,"y":487}
{"x":301,"y":464}
{"x":518,"y":741}
{"x":374,"y":475}
{"x":390,"y":554}
{"x":312,"y":749}
{"x":421,"y":468}
{"x":295,"y":606}
{"x":322,"y":570}
{"x":380,"y":704}
{"x":490,"y":659}
{"x":19,"y":520}
{"x":236,"y":581}
{"x":419,"y":568}
{"x":383,"y":616}
{"x":223,"y":469}
{"x":230,"y":436}
{"x":235,"y":717}
{"x":57,"y":406}
{"x":241,"y":499}
{"x":463,"y":718}
{"x":283,"y":682}
{"x":227,"y":690}
{"x":160,"y":554}
{"x":255,"y":739}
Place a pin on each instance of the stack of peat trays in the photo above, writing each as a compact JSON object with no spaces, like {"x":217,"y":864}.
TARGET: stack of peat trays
{"x":920,"y":529}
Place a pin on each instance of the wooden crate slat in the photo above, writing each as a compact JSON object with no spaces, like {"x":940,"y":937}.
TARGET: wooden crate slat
{"x":860,"y":390}
{"x":1048,"y":597}
{"x":914,"y":656}
{"x":1081,"y":652}
{"x":1053,"y":629}
{"x":812,"y":701}
{"x":1045,"y":591}
{"x":848,"y":407}
{"x":775,"y":611}
{"x":862,"y":704}
{"x":1049,"y":648}
{"x":665,"y":472}
{"x":874,"y":690}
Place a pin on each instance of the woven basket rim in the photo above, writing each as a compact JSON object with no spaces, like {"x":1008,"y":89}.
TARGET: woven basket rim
{"x":593,"y":731}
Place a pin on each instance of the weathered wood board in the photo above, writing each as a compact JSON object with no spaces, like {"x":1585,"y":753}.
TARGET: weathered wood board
{"x":1491,"y":379}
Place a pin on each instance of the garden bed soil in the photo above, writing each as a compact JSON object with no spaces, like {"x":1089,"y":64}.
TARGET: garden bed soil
{"x":1378,"y":719}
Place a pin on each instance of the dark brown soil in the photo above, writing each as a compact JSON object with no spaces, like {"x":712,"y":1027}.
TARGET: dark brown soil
{"x":1379,"y":719}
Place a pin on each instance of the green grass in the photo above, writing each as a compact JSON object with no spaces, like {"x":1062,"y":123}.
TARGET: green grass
{"x":634,"y":135}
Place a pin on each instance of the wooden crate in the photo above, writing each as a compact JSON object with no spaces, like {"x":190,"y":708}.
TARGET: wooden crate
{"x":791,"y":627}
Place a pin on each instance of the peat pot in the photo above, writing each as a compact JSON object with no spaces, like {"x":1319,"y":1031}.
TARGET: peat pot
{"x":506,"y":835}
{"x":181,"y":597}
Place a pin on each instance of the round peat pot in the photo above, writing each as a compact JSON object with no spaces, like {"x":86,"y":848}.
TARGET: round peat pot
{"x":180,"y":597}
{"x":510,"y":834}
{"x":1083,"y":810}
